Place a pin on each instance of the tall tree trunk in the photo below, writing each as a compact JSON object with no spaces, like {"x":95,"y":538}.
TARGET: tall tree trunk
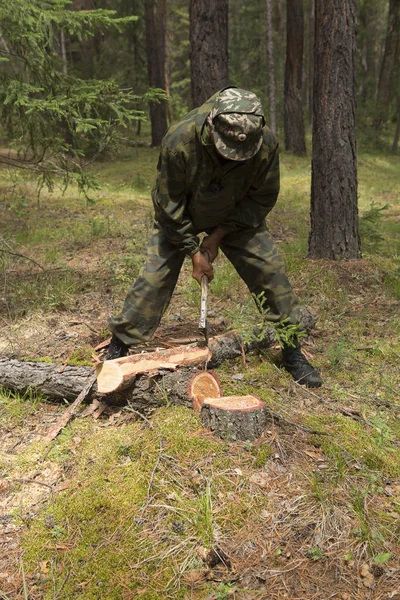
{"x":63,"y":52}
{"x":85,"y":45}
{"x":395,"y":145}
{"x":155,"y":14}
{"x":208,"y":48}
{"x":390,"y":55}
{"x":311,"y":28}
{"x":271,"y":68}
{"x":334,"y":215}
{"x":293,"y":101}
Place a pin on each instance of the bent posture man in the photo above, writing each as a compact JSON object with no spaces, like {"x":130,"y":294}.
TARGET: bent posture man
{"x":218,"y":173}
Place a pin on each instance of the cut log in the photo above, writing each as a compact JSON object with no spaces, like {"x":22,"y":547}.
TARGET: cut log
{"x":204,"y":385}
{"x":114,"y":375}
{"x":147,"y":391}
{"x":234,"y":417}
{"x":118,"y":374}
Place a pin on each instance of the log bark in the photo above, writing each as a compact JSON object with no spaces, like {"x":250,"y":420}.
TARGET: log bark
{"x":234,"y":417}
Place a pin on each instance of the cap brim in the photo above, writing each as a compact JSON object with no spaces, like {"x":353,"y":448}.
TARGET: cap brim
{"x":235,"y":151}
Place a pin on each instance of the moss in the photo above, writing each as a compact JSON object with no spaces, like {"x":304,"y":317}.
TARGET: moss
{"x":140,"y":500}
{"x":42,"y":359}
{"x":261,"y":454}
{"x":81,"y":357}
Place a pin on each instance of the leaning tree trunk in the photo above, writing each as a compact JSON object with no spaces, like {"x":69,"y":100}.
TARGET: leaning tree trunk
{"x":271,"y":68}
{"x":334,"y":214}
{"x":293,"y":101}
{"x":155,"y":15}
{"x":390,"y":55}
{"x":208,"y":48}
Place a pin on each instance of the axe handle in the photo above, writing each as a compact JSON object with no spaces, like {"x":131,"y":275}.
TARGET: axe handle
{"x":203,"y":304}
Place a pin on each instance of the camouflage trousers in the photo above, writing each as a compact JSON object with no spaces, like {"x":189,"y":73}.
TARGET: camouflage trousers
{"x":251,"y":251}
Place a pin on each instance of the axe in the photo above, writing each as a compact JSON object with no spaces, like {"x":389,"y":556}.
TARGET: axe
{"x":203,"y":325}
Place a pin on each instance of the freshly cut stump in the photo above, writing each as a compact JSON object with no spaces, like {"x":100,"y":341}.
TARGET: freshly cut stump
{"x":234,"y":417}
{"x":204,"y":385}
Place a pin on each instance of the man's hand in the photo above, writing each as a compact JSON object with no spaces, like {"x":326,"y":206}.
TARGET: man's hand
{"x":211,"y":243}
{"x":201,"y":266}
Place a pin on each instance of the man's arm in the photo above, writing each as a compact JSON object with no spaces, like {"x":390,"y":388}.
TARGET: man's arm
{"x":210,"y":244}
{"x":169,"y":199}
{"x":261,"y":198}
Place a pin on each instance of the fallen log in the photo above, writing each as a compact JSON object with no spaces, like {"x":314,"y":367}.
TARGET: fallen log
{"x":144,"y":391}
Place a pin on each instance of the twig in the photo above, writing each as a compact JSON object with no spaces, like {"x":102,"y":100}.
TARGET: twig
{"x":71,"y":410}
{"x":139,"y":414}
{"x":347,"y":412}
{"x":243,"y":354}
{"x":279,"y":417}
{"x":32,"y":481}
{"x":22,"y":256}
{"x":83,"y":323}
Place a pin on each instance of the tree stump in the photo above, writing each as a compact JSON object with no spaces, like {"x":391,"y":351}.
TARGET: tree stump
{"x":234,"y":417}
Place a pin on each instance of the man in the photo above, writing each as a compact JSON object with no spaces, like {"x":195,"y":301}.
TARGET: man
{"x":218,"y":173}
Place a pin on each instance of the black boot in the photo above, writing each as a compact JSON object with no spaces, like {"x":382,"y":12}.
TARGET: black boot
{"x":298,"y":366}
{"x":116,"y":349}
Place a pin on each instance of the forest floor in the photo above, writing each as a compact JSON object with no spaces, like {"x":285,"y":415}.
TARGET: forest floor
{"x":122,"y":507}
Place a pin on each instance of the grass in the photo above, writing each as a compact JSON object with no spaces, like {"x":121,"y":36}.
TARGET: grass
{"x":141,"y":507}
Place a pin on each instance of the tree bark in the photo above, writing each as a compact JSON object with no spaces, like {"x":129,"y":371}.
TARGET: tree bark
{"x":235,"y":417}
{"x":271,"y":68}
{"x":155,"y":15}
{"x":389,"y":59}
{"x":208,"y":48}
{"x":311,"y":28}
{"x":293,"y":99}
{"x":334,"y":214}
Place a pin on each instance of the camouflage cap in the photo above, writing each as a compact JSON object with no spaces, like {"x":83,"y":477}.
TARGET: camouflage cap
{"x":236,"y":124}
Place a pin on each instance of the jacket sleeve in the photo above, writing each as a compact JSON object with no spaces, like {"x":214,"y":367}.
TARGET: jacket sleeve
{"x":169,"y":199}
{"x":261,"y":197}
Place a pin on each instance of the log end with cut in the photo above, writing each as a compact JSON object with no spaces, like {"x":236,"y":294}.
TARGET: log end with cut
{"x":109,"y":376}
{"x":234,"y":417}
{"x":120,"y":373}
{"x":203,"y":385}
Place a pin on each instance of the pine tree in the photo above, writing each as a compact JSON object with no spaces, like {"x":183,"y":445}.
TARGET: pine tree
{"x":57,"y":122}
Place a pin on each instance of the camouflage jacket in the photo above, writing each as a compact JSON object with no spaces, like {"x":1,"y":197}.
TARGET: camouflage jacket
{"x":194,"y":193}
